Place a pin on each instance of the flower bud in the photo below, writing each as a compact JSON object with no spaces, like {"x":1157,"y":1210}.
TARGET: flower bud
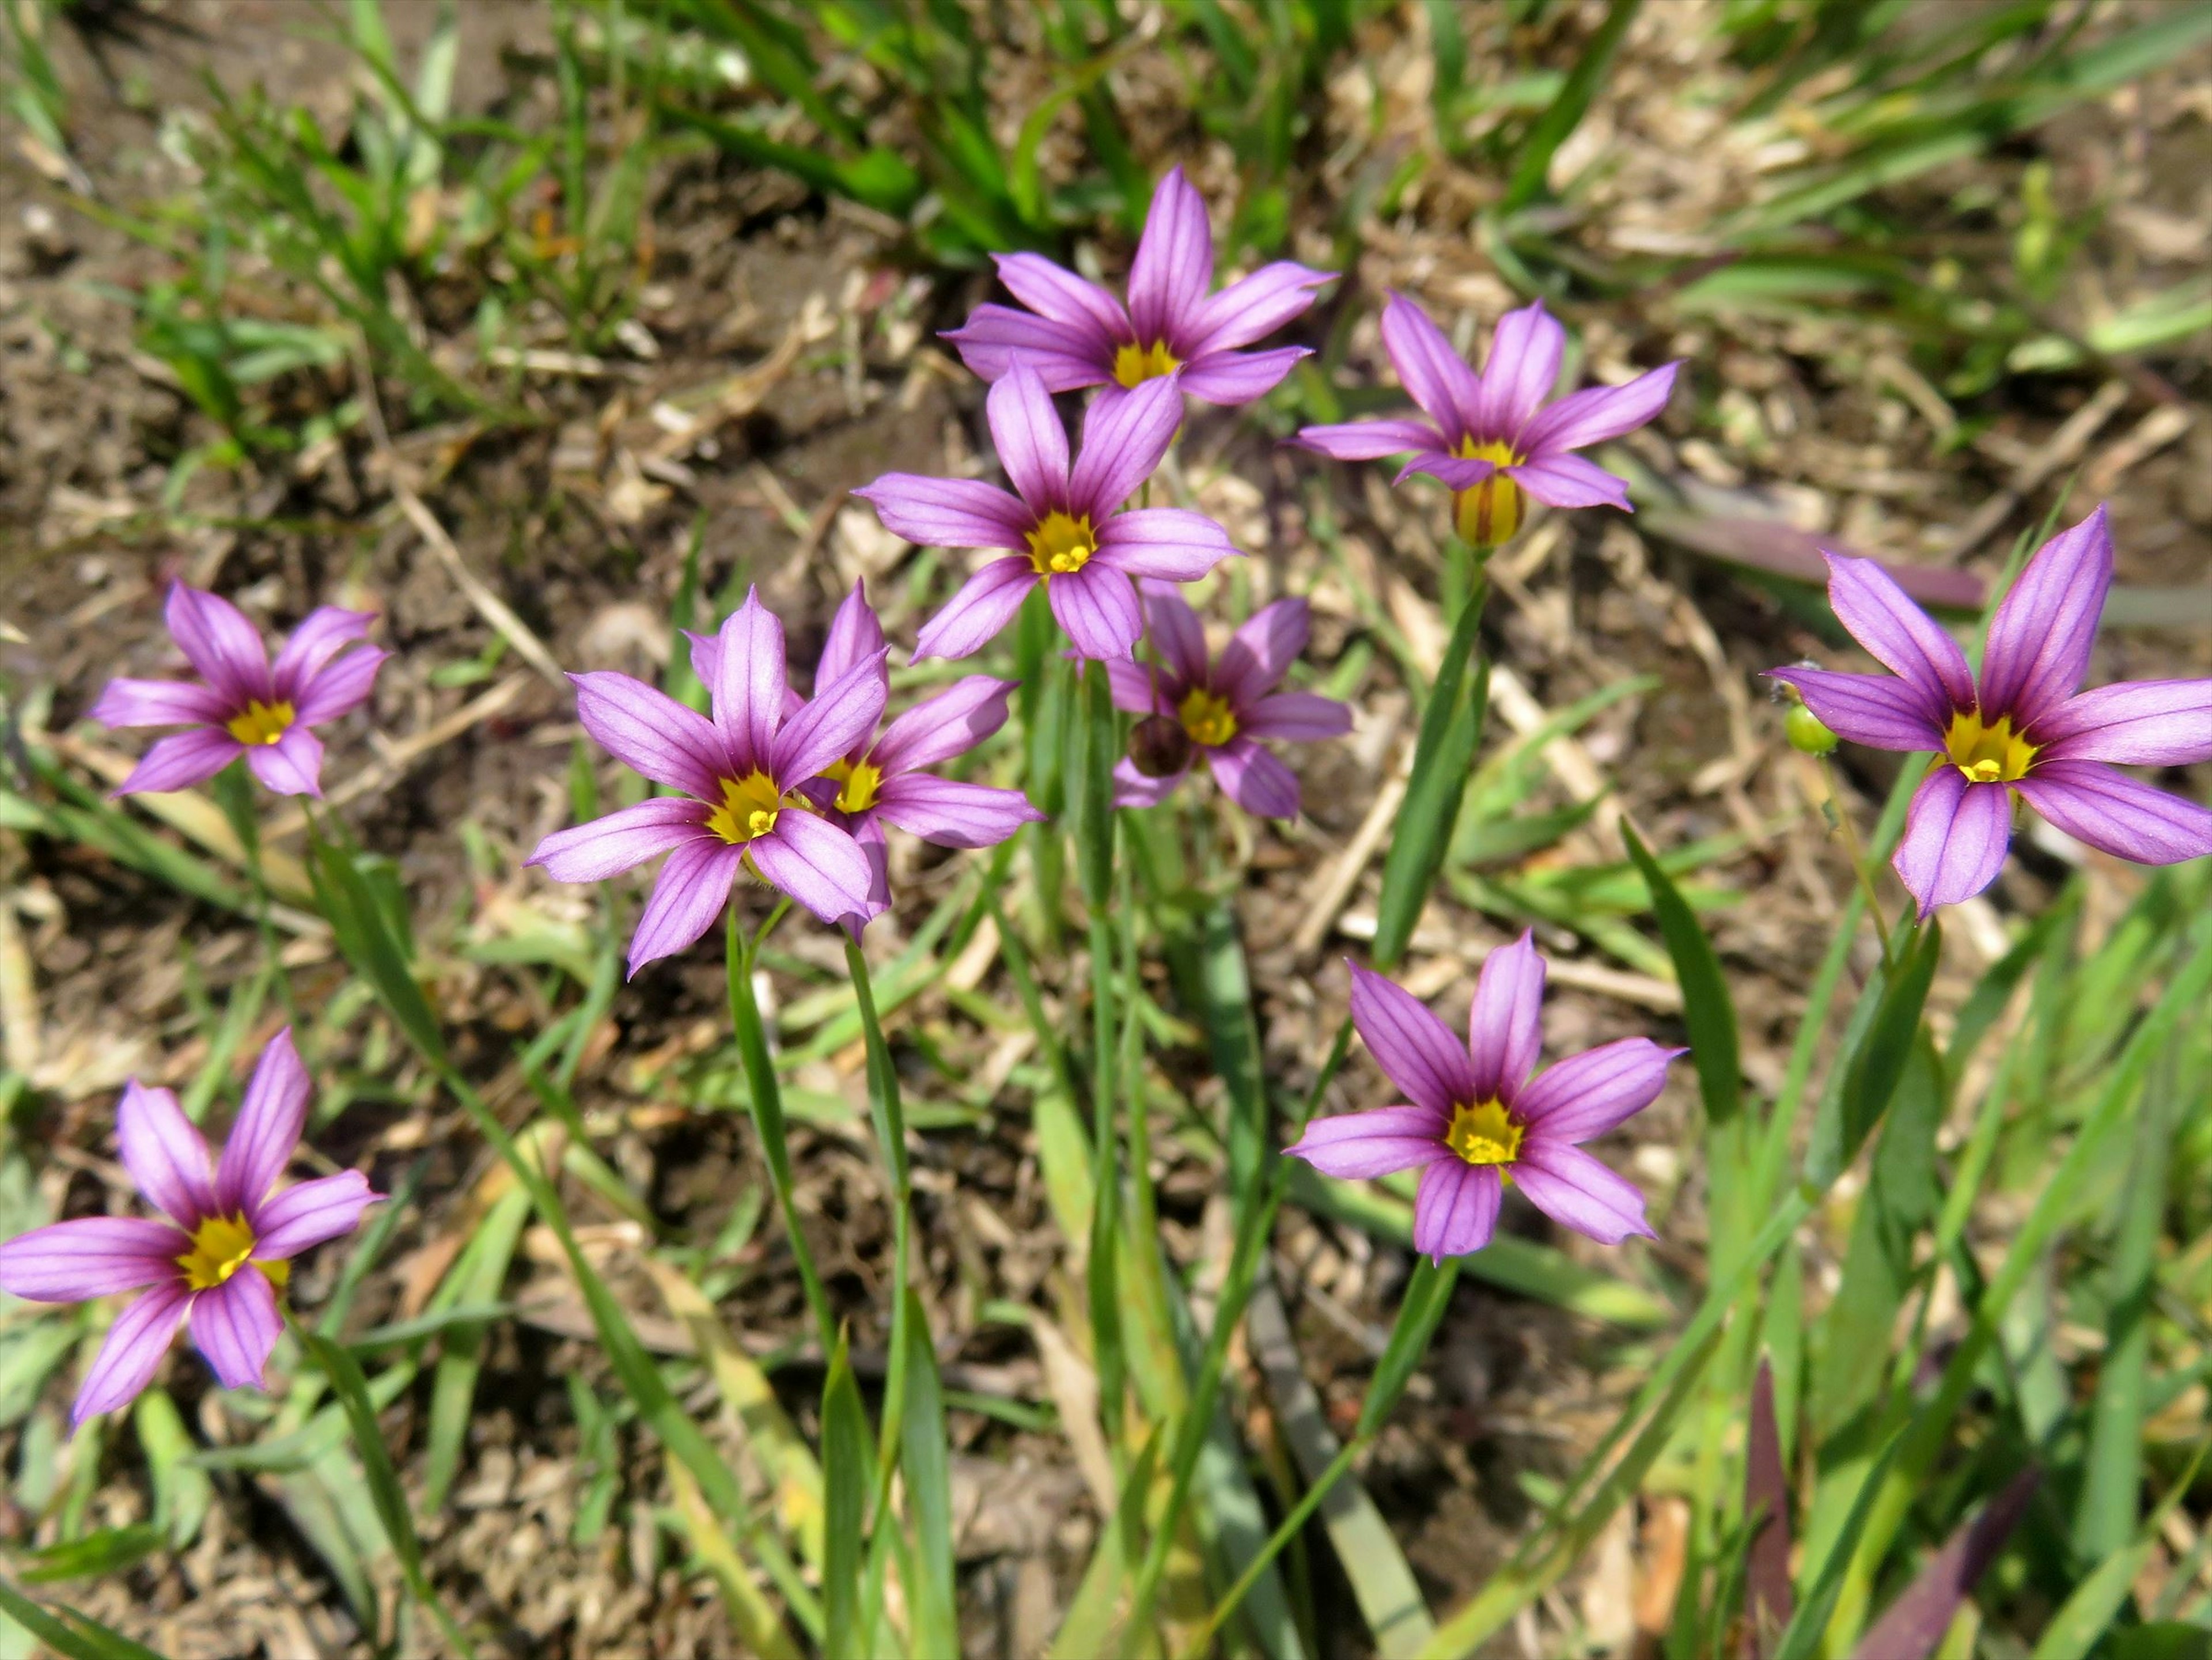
{"x":1158,"y":746}
{"x":1805,"y":732}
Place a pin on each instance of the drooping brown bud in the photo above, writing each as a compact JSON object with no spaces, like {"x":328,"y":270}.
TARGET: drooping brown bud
{"x":1158,"y":746}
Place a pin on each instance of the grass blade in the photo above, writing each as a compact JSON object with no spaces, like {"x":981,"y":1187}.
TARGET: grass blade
{"x":929,"y":1496}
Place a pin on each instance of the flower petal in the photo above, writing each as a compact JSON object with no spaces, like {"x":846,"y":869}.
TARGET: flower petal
{"x":1900,"y":635}
{"x":1054,"y":292}
{"x":340,"y":687}
{"x":816,"y":863}
{"x":166,"y":1155}
{"x":948,"y":512}
{"x":1260,"y":652}
{"x":1066,"y":357}
{"x":1097,"y":606}
{"x":950,"y":723}
{"x":856,"y":634}
{"x":953,"y":814}
{"x":216,"y":639}
{"x":305,"y":1215}
{"x":1459,"y":472}
{"x":1032,"y":445}
{"x":1561,"y":480}
{"x":1588,"y":1094}
{"x":1253,"y":306}
{"x":689,"y":895}
{"x":1132,"y":788}
{"x":1597,"y":413}
{"x":1299,"y":716}
{"x":292,"y":765}
{"x":269,"y":1119}
{"x":136,"y":1345}
{"x":651,"y":734}
{"x":1174,"y":266}
{"x":1416,"y":1050}
{"x":1955,"y":837}
{"x":1359,"y":1147}
{"x":1171,"y":543}
{"x":2143,"y":723}
{"x":622,"y":839}
{"x":987,"y":602}
{"x":1371,"y":440}
{"x":129,"y":702}
{"x":1143,"y":688}
{"x":1178,"y":636}
{"x":1456,"y":1208}
{"x":748,"y":694}
{"x":234,"y":1326}
{"x":1123,"y":439}
{"x":1504,"y":1024}
{"x":1434,"y":374}
{"x":1254,"y":779}
{"x":2116,"y":814}
{"x":1523,"y":367}
{"x":2041,"y":633}
{"x":841,"y":716}
{"x":1882,"y":711}
{"x":1576,"y":1190}
{"x":1230,"y":378}
{"x":91,"y":1256}
{"x":322,"y":634}
{"x":179,"y":762}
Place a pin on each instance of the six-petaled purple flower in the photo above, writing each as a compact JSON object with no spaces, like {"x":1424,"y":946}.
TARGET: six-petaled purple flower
{"x":881,"y":778}
{"x":1491,"y":436}
{"x":1476,"y":1119}
{"x":222,"y":1255}
{"x":1075,"y":334}
{"x":738,"y":773}
{"x":1225,"y":705}
{"x":248,"y":706}
{"x":2022,"y":727}
{"x":1064,"y":524}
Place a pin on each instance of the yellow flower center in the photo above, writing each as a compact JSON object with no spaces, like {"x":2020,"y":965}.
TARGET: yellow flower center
{"x":221,"y":1247}
{"x":1207,"y":717}
{"x":749,"y":808}
{"x":857,"y":784}
{"x":1133,"y":365}
{"x":1062,"y":544}
{"x":1988,"y":754}
{"x":261,"y":723}
{"x":1484,"y":1134}
{"x":1489,"y":513}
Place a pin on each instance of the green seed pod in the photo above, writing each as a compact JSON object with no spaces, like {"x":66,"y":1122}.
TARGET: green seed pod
{"x":1805,"y":732}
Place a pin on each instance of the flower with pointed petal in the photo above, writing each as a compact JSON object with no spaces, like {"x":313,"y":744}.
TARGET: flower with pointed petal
{"x":1476,"y":1119}
{"x":2023,"y":728}
{"x":1075,"y":334}
{"x":224,"y":1252}
{"x":1225,"y":705}
{"x":1492,"y":437}
{"x":1064,"y":524}
{"x":881,"y":776}
{"x":738,"y":772}
{"x":248,"y":706}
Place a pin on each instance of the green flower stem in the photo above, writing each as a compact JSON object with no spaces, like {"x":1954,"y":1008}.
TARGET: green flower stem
{"x":766,"y":1096}
{"x":889,"y":1116}
{"x":233,"y":792}
{"x":1092,"y":781}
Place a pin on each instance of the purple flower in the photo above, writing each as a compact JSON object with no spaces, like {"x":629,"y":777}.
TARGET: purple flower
{"x":880,"y":777}
{"x":222,"y":1255}
{"x":1225,"y":707}
{"x":738,"y":773}
{"x":1075,"y":334}
{"x":1490,"y":436}
{"x":1065,"y":525}
{"x":1477,"y":1120}
{"x":249,"y":705}
{"x":2023,"y":728}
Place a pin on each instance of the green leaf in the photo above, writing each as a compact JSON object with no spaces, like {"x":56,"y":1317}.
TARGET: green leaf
{"x":1707,"y":1009}
{"x":362,"y":921}
{"x":182,"y":1492}
{"x":476,"y":1278}
{"x":929,"y":1494}
{"x":1565,"y":113}
{"x":1443,"y":749}
{"x":72,"y":1635}
{"x":1877,"y":1060}
{"x":107,"y":1551}
{"x":847,"y":1468}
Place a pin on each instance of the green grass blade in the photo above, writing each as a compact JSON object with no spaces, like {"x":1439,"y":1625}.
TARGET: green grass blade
{"x":929,"y":1497}
{"x":1565,"y":111}
{"x":72,"y":1635}
{"x":1444,"y":748}
{"x":847,"y":1468}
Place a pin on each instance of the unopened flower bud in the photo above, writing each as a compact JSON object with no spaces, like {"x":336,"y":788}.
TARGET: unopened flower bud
{"x":1805,"y":732}
{"x":1158,"y":746}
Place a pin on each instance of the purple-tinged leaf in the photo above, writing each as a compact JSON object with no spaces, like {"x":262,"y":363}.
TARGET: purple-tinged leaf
{"x":1916,"y":1622}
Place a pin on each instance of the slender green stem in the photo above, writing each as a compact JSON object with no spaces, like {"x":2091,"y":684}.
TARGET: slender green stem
{"x":1093,"y":795}
{"x":1292,"y":1523}
{"x":1841,"y":814}
{"x":890,"y":1116}
{"x":235,"y":794}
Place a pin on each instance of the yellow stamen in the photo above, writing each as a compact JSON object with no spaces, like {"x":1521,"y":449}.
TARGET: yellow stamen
{"x":220,"y":1246}
{"x":1483,"y":1133}
{"x":1133,"y":365}
{"x":1208,"y":718}
{"x":857,"y":784}
{"x":749,"y":808}
{"x":1488,"y":514}
{"x":261,"y":723}
{"x":1062,"y":544}
{"x":1988,"y":754}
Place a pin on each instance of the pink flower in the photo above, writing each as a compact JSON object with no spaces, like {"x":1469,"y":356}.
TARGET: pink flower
{"x":1225,"y":706}
{"x":248,"y":706}
{"x":2022,"y":728}
{"x":1476,"y":1118}
{"x":1075,"y":334}
{"x":221,"y":1257}
{"x":1491,"y":437}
